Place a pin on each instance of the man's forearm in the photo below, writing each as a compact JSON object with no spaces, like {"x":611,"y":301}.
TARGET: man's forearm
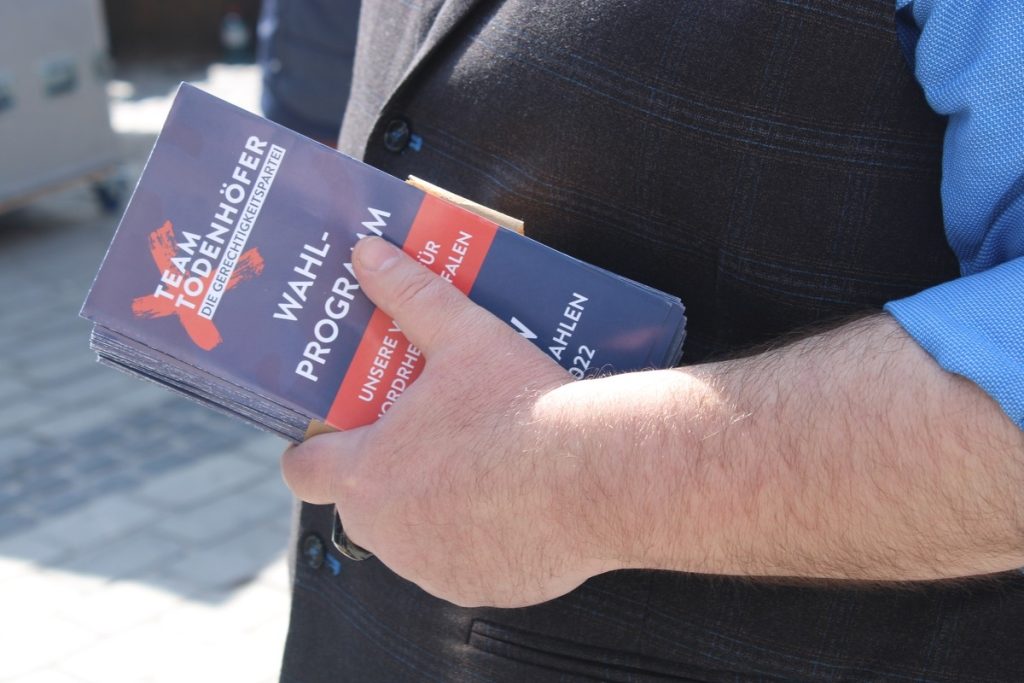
{"x":496,"y":480}
{"x":846,"y":455}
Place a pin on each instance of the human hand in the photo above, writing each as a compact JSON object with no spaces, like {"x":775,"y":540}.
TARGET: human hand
{"x":495,"y":480}
{"x":468,"y":485}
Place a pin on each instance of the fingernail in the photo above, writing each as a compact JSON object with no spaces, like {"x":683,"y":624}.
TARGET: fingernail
{"x":375,"y":253}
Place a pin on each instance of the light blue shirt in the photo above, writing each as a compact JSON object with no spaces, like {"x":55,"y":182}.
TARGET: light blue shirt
{"x":969,"y":58}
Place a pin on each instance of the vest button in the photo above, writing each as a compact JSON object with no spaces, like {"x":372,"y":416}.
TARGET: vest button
{"x":313,"y":551}
{"x":396,"y":135}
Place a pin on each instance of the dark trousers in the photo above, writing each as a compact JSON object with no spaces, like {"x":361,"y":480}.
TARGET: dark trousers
{"x":356,"y":621}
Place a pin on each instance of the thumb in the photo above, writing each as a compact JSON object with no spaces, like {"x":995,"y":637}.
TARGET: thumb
{"x":432,"y":313}
{"x":321,"y":470}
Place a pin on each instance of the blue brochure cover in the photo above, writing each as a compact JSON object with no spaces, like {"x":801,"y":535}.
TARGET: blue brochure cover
{"x":232,"y":265}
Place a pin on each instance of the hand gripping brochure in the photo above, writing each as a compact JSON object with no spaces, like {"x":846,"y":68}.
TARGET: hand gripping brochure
{"x":229,"y":278}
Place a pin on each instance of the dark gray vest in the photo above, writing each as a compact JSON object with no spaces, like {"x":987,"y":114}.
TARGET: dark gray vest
{"x":774,"y":164}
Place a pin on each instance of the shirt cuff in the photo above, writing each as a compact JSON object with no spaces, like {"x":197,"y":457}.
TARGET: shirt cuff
{"x":974,"y":327}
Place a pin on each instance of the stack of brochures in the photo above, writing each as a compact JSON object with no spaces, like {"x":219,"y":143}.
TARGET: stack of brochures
{"x":230,"y":279}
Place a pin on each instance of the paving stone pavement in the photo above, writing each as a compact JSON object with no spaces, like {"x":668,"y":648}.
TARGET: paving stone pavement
{"x":131,"y":548}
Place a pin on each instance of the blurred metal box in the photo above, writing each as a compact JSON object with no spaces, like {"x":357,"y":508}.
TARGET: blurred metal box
{"x":54,"y":116}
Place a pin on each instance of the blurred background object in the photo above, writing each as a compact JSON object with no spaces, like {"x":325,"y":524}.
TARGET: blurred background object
{"x":55,"y":62}
{"x":157,"y":28}
{"x":235,"y":37}
{"x":54,"y":126}
{"x":306,"y":52}
{"x":133,"y":523}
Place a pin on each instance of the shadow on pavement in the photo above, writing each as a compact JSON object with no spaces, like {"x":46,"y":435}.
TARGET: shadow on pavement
{"x":102,"y":475}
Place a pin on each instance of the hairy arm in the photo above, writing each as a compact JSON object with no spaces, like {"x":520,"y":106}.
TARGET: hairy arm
{"x":849,"y":455}
{"x":495,"y":480}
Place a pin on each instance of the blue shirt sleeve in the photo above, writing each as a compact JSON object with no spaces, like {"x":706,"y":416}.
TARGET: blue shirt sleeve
{"x":969,"y":58}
